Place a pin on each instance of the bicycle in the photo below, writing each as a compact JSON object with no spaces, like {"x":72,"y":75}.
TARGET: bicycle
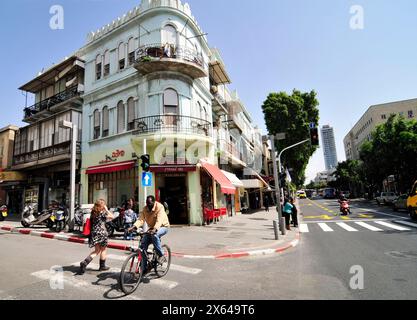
{"x":132,"y":269}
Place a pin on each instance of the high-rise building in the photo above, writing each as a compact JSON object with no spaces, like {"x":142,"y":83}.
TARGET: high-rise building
{"x":329,"y":147}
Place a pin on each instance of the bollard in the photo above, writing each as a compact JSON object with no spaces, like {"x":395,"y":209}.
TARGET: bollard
{"x":282,"y":225}
{"x":276,"y":229}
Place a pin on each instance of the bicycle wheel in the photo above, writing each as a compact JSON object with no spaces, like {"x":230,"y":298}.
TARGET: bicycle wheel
{"x":131,"y":273}
{"x":162,"y":269}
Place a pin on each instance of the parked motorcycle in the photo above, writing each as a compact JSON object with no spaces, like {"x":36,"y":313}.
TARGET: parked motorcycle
{"x":3,"y":212}
{"x":81,"y":214}
{"x":30,"y":217}
{"x":117,"y":224}
{"x":58,"y":218}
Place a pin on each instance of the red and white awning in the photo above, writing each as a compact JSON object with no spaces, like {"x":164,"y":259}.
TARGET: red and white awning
{"x":111,"y":167}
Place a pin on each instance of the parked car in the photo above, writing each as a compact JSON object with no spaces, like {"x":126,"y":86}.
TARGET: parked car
{"x":412,"y":202}
{"x":345,"y":194}
{"x":400,"y":203}
{"x":386,"y":198}
{"x":301,"y":194}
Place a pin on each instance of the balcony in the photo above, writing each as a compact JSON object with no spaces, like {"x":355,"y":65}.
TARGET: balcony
{"x":172,"y":124}
{"x":154,"y":57}
{"x":45,"y":156}
{"x":47,"y":107}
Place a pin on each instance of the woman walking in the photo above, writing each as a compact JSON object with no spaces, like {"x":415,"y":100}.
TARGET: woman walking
{"x":266,"y":203}
{"x":287,"y":210}
{"x":99,"y":236}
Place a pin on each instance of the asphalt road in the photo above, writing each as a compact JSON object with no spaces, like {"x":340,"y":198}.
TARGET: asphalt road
{"x":318,"y":268}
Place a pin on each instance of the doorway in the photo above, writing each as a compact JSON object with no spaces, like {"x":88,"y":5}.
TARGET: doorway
{"x":174,"y":193}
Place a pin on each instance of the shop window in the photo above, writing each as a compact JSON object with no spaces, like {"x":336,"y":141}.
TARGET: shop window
{"x":105,"y":122}
{"x":120,"y":117}
{"x":130,"y":114}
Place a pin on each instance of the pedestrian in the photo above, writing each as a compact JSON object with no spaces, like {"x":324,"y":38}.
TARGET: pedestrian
{"x":266,"y":203}
{"x":129,"y":219}
{"x":287,"y":210}
{"x":294,"y":213}
{"x":98,"y":239}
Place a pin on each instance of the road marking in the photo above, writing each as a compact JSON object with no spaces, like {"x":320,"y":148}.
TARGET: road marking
{"x":325,"y":227}
{"x":368,"y":226}
{"x":366,"y":216}
{"x":164,"y":283}
{"x":407,"y":223}
{"x":345,"y":218}
{"x":382,"y":213}
{"x":346,"y":226}
{"x":303,"y":228}
{"x":184,"y":269}
{"x":392,"y":226}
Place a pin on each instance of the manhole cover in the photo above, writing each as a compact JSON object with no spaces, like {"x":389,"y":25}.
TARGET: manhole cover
{"x":402,"y":254}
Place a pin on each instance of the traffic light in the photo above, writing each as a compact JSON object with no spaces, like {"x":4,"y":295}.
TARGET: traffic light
{"x":145,"y":162}
{"x":314,"y":136}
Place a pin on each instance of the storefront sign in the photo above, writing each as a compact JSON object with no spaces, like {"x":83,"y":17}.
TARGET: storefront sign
{"x":114,"y":156}
{"x":173,"y":169}
{"x":12,"y":176}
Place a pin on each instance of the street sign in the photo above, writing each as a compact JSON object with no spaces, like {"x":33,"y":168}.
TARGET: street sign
{"x":146,"y":179}
{"x":280,"y":136}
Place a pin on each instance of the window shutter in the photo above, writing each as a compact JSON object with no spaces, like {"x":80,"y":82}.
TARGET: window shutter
{"x":120,"y":117}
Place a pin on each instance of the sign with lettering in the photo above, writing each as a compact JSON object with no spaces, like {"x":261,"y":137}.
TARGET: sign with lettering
{"x":114,"y":156}
{"x":173,"y":169}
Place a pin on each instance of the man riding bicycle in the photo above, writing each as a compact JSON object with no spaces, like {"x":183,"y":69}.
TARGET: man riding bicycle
{"x":157,"y":220}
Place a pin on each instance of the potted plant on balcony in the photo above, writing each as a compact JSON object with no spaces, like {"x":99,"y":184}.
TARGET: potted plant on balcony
{"x":145,"y":59}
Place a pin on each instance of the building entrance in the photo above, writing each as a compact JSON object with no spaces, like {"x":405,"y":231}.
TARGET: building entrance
{"x":173,"y":191}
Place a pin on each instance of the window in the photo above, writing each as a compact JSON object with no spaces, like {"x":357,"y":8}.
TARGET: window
{"x":130,"y":114}
{"x":106,"y":63}
{"x":122,"y":57}
{"x":170,"y":101}
{"x":120,"y":117}
{"x":47,"y":133}
{"x":62,"y":134}
{"x":33,"y":138}
{"x":98,"y":67}
{"x":410,"y":114}
{"x":105,"y":122}
{"x":169,"y":35}
{"x":383,"y":116}
{"x":131,"y":51}
{"x":96,"y":120}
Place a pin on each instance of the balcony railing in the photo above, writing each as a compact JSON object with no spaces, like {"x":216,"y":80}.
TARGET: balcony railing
{"x":160,"y":57}
{"x":50,"y":102}
{"x":172,"y":124}
{"x":45,"y":153}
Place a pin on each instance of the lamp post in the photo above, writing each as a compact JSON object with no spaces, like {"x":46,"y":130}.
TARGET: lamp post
{"x":73,"y":127}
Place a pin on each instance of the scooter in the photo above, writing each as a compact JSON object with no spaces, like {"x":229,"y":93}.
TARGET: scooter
{"x":32,"y":218}
{"x":58,"y":218}
{"x":117,"y":223}
{"x":344,"y":207}
{"x":3,"y":212}
{"x":82,"y":213}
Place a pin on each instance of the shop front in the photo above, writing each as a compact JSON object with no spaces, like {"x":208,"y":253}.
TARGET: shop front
{"x":12,"y":186}
{"x":234,"y":201}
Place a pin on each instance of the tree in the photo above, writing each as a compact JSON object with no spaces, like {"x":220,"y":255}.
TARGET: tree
{"x":392,"y":151}
{"x":348,"y":176}
{"x":292,"y":114}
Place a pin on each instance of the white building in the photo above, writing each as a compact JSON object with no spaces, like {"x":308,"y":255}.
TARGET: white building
{"x":329,"y":147}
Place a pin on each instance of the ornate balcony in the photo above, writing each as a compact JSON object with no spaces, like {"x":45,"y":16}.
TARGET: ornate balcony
{"x":173,"y":124}
{"x":157,"y":57}
{"x":47,"y":107}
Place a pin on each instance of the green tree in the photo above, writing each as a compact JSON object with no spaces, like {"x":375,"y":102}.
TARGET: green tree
{"x":348,"y":176}
{"x":292,"y":115}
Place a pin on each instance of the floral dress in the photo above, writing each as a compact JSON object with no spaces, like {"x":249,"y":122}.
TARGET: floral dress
{"x":99,"y":234}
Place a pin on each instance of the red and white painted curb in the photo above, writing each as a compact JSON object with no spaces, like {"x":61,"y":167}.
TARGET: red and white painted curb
{"x":123,"y":247}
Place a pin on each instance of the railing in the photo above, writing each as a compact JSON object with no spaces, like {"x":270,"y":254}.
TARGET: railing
{"x":45,"y":153}
{"x":172,"y":124}
{"x":157,"y":50}
{"x":50,"y":102}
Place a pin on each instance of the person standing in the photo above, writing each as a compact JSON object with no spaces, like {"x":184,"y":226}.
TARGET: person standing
{"x":287,"y":210}
{"x":294,"y":213}
{"x":266,"y":203}
{"x":98,"y":239}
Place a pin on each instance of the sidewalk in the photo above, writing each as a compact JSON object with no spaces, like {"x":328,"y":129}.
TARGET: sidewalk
{"x":233,"y":237}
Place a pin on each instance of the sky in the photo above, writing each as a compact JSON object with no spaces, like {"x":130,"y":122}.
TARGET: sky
{"x":267,"y":45}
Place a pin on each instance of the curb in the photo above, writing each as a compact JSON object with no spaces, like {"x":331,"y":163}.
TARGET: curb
{"x":123,"y":247}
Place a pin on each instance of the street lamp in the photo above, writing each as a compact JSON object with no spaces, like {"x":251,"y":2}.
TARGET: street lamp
{"x":73,"y":127}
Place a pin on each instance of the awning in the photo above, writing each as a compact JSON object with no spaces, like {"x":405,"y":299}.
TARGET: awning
{"x":114,"y":167}
{"x":225,"y":185}
{"x":233,"y":179}
{"x":8,"y":176}
{"x":218,"y":73}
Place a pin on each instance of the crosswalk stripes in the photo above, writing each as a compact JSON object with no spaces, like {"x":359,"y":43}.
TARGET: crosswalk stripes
{"x":355,"y":226}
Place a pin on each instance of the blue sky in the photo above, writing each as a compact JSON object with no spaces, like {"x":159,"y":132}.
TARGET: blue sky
{"x":267,"y":45}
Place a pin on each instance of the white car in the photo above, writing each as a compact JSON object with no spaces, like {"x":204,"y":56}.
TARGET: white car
{"x":386,"y":198}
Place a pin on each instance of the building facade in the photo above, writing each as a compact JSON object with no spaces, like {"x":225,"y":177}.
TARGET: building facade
{"x":329,"y":147}
{"x":374,"y":116}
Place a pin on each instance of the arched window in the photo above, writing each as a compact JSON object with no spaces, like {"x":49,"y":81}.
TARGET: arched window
{"x":98,"y":67}
{"x":96,"y":120}
{"x":120,"y":117}
{"x":106,"y":63}
{"x":131,"y":51}
{"x":105,"y":122}
{"x":122,"y":56}
{"x":170,"y":101}
{"x":169,"y":35}
{"x":130,"y":114}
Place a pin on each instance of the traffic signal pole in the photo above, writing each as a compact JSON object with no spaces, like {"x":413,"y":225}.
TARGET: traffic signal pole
{"x":144,"y":188}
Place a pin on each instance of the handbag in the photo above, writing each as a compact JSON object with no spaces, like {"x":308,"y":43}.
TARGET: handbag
{"x":87,"y":227}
